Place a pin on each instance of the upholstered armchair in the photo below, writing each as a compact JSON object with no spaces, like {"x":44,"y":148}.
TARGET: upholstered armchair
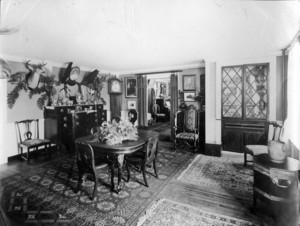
{"x":187,"y":129}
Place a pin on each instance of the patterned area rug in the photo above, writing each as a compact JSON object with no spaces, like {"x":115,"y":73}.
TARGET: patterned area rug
{"x":166,"y":212}
{"x":220,"y":175}
{"x":45,"y":194}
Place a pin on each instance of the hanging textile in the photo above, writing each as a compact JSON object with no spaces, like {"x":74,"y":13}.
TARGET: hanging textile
{"x":292,"y":123}
{"x":174,"y":101}
{"x":141,"y":99}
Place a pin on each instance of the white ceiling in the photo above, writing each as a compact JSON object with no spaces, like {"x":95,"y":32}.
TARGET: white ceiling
{"x":138,"y":35}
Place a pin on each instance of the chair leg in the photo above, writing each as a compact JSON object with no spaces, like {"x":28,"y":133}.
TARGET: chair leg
{"x":79,"y":183}
{"x":28,"y":160}
{"x":175,"y":144}
{"x":95,"y":186}
{"x":154,"y":167}
{"x":58,"y":150}
{"x":144,"y":174}
{"x":47,"y":151}
{"x":245,"y":158}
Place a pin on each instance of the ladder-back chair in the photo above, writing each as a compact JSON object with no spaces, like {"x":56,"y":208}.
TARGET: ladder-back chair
{"x":274,"y":133}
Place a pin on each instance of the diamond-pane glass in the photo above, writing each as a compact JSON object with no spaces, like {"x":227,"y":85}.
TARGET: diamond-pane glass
{"x":256,"y":77}
{"x":232,"y":92}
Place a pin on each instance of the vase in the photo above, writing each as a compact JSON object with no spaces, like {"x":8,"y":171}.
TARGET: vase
{"x":277,"y":151}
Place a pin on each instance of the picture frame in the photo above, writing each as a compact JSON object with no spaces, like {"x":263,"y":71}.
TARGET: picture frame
{"x":189,"y":82}
{"x":130,"y":87}
{"x":189,"y":96}
{"x":131,"y":104}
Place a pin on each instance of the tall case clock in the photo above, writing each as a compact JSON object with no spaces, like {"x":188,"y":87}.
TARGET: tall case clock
{"x":115,"y":88}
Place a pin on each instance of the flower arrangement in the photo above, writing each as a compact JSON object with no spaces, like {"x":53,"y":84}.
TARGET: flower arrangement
{"x":115,"y":132}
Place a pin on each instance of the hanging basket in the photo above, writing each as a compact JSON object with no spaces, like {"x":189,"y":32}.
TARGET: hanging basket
{"x":277,"y":151}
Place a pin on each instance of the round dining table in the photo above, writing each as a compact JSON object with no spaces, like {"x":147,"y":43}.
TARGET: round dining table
{"x":115,"y":153}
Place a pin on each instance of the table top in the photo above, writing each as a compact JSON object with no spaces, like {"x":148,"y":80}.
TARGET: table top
{"x":126,"y":147}
{"x":289,"y":164}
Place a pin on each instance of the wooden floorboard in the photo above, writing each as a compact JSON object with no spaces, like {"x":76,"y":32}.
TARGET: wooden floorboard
{"x":193,"y":195}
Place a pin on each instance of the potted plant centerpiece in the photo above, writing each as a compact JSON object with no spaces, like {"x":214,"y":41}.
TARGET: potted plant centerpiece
{"x":114,"y":132}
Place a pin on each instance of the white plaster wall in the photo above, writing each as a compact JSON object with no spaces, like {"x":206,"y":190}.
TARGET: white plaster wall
{"x":8,"y":140}
{"x":211,"y":136}
{"x":213,"y":93}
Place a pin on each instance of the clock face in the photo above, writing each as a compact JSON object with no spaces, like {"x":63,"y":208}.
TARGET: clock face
{"x":115,"y":86}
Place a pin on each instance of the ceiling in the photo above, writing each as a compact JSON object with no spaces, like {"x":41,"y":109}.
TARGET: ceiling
{"x":136,"y":36}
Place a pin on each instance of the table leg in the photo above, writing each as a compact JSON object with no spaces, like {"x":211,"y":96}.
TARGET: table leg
{"x":116,"y":161}
{"x":120,"y":169}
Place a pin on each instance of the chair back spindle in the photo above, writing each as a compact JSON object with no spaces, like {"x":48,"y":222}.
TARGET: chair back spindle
{"x":276,"y":130}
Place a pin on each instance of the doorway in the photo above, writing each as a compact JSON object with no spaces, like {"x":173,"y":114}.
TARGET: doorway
{"x":158,"y":98}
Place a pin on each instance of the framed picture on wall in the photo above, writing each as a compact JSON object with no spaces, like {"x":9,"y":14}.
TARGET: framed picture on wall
{"x":130,"y":87}
{"x":189,"y":96}
{"x":131,"y":104}
{"x":189,"y":82}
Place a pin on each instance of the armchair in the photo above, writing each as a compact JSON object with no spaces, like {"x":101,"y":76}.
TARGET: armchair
{"x":187,"y":129}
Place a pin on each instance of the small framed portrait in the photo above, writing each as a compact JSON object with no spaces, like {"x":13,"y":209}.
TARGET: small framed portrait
{"x":130,"y":87}
{"x":189,"y":96}
{"x":131,"y":104}
{"x":189,"y":82}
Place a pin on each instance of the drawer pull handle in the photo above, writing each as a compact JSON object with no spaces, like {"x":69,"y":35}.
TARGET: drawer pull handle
{"x":65,"y":125}
{"x":61,"y":110}
{"x":65,"y":118}
{"x":281,"y":183}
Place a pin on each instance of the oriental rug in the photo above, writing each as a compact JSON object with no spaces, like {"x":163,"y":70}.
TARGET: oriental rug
{"x":44,"y":195}
{"x":169,"y":213}
{"x":220,"y":175}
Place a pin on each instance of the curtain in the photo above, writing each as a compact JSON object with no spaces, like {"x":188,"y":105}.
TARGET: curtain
{"x":292,"y":122}
{"x":3,"y":116}
{"x":142,"y":100}
{"x":174,"y":101}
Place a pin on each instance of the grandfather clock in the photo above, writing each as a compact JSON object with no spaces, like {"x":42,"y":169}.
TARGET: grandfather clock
{"x":115,"y":91}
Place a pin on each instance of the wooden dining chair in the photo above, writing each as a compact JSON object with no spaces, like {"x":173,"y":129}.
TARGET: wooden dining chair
{"x":86,"y":165}
{"x":146,"y":157}
{"x":28,"y":138}
{"x":274,"y":133}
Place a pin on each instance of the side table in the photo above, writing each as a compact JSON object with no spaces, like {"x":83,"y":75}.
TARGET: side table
{"x":277,"y":185}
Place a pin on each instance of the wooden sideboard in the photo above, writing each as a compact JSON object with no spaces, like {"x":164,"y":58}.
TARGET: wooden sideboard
{"x":63,"y":124}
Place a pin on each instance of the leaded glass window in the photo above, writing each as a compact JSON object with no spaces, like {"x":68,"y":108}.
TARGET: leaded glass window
{"x":232,"y":92}
{"x":244,"y":91}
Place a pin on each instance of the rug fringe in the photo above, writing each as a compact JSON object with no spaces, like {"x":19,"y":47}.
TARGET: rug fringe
{"x":149,"y":211}
{"x":189,"y":166}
